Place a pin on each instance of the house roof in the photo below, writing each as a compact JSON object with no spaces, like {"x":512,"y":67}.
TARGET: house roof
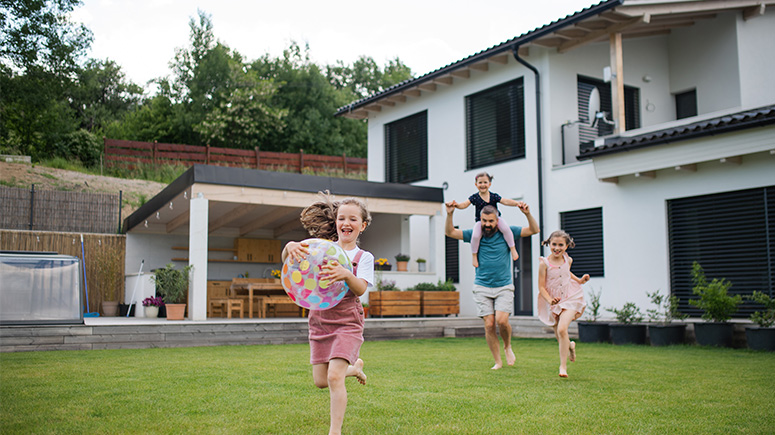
{"x":722,"y":124}
{"x":631,"y":18}
{"x":246,"y":200}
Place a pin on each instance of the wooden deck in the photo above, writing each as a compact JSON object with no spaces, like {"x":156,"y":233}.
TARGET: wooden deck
{"x":138,"y":333}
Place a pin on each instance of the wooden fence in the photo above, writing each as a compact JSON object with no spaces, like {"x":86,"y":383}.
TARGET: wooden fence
{"x":104,"y":258}
{"x":55,"y":210}
{"x":127,"y":153}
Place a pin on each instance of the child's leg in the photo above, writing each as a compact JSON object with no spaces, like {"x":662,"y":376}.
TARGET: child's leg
{"x":337,"y":369}
{"x":357,"y":371}
{"x":320,"y":375}
{"x":476,"y":236}
{"x":503,"y":227}
{"x":561,"y":331}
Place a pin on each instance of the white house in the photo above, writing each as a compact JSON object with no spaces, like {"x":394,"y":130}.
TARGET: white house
{"x":645,"y":128}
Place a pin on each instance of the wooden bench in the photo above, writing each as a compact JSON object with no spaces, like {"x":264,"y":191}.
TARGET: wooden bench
{"x":265,"y":301}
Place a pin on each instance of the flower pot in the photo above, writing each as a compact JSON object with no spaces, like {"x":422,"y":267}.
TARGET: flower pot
{"x":151,"y":311}
{"x":593,"y":332}
{"x":760,"y":338}
{"x":421,"y":267}
{"x":395,"y":303}
{"x":109,"y":308}
{"x":667,"y":335}
{"x":628,"y":333}
{"x":175,"y":311}
{"x":163,"y":311}
{"x":123,"y":308}
{"x":439,"y":303}
{"x":382,"y":267}
{"x":402,"y":266}
{"x":714,"y":334}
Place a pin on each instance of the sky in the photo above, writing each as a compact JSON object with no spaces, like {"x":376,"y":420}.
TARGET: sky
{"x":141,"y":35}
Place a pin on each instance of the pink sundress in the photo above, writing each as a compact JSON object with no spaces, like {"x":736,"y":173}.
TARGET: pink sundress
{"x":559,"y":284}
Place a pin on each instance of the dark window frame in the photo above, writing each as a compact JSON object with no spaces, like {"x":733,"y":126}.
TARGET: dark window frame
{"x":495,"y":124}
{"x":686,"y":104}
{"x":406,"y":149}
{"x":586,"y":229}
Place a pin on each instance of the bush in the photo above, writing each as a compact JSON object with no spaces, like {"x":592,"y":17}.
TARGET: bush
{"x":718,"y":306}
{"x":766,"y":317}
{"x":593,"y":310}
{"x":172,"y":284}
{"x":667,"y":308}
{"x":629,"y":313}
{"x":444,"y":286}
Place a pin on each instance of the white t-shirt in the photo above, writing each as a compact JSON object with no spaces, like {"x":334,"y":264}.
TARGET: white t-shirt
{"x":365,"y":265}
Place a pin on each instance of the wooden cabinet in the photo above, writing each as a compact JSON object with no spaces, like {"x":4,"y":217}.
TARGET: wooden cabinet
{"x":258,"y":250}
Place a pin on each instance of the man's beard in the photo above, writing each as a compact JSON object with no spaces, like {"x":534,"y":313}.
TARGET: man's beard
{"x":488,"y":231}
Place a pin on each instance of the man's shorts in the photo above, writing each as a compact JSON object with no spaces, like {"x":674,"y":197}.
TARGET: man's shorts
{"x":491,"y":299}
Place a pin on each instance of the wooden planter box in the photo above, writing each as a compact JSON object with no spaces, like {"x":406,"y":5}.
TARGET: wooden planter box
{"x":436,"y":303}
{"x":394,"y":303}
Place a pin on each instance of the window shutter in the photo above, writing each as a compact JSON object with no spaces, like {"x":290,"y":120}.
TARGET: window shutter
{"x":495,"y":125}
{"x":586,"y":229}
{"x":406,"y":149}
{"x":731,"y":235}
{"x":452,"y":258}
{"x":686,"y":104}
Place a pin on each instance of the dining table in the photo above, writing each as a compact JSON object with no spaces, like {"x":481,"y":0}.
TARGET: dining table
{"x":261,"y":287}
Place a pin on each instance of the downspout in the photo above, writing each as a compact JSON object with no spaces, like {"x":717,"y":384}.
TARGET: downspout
{"x":515,"y":51}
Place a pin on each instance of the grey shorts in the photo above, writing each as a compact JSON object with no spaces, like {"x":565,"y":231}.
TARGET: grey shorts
{"x":491,"y":299}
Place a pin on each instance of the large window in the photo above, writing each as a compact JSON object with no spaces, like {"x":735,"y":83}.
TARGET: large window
{"x":586,"y":229}
{"x":585,"y":85}
{"x":495,"y":125}
{"x":731,"y":235}
{"x":686,"y":104}
{"x":406,"y":149}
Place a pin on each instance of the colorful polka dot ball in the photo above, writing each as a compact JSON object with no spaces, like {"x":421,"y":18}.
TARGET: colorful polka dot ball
{"x":301,"y":280}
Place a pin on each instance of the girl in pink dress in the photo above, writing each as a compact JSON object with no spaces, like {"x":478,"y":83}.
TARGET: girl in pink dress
{"x":561,"y":297}
{"x":336,"y":334}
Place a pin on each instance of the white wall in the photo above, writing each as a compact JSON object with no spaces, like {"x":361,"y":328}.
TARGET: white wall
{"x":757,"y":66}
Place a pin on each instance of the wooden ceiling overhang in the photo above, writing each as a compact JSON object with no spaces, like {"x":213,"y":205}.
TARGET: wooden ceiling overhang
{"x":598,"y":23}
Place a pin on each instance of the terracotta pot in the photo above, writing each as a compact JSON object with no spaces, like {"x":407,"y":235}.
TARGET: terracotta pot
{"x":175,"y":311}
{"x":109,"y":308}
{"x":403,"y":266}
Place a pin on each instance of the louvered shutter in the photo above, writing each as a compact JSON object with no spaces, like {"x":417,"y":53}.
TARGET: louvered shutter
{"x":406,"y":149}
{"x":586,"y":229}
{"x":495,"y":125}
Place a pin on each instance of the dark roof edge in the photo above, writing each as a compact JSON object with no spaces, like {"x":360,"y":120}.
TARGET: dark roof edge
{"x":504,"y":46}
{"x":695,"y":130}
{"x":167,"y":194}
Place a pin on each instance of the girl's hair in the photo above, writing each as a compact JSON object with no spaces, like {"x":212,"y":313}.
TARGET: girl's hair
{"x":365,"y":215}
{"x":319,"y":218}
{"x":483,"y":174}
{"x":560,"y":233}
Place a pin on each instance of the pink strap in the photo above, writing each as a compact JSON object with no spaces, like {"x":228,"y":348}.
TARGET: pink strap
{"x":356,"y":260}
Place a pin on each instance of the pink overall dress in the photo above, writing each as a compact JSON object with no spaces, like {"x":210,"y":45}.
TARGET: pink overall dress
{"x":559,"y":284}
{"x":337,"y":332}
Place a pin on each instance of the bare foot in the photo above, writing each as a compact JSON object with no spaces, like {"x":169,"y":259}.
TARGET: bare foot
{"x":572,"y":351}
{"x":563,"y":373}
{"x":514,"y":254}
{"x":475,"y":261}
{"x":357,"y":371}
{"x":497,"y":366}
{"x":510,"y":357}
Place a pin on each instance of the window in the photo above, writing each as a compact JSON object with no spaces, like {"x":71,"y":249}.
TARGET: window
{"x":585,"y":85}
{"x":452,"y":258}
{"x":406,"y":149}
{"x":735,"y":241}
{"x":495,"y":125}
{"x":686,"y":104}
{"x":586,"y":229}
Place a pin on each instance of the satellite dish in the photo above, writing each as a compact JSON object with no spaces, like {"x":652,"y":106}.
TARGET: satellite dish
{"x":593,"y":107}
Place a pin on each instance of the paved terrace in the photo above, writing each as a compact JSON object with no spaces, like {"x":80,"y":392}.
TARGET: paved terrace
{"x":138,"y":333}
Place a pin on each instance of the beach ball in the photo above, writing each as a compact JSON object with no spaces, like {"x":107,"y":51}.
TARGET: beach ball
{"x":301,"y":280}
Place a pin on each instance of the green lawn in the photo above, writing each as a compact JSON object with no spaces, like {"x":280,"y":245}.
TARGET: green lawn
{"x":437,"y":386}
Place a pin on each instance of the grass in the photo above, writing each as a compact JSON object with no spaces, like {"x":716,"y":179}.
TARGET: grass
{"x":436,"y":386}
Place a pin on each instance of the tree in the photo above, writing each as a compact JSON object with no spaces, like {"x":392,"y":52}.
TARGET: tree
{"x":102,"y":95}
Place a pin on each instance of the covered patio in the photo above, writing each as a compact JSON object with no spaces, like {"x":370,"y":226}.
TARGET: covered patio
{"x":232,"y":223}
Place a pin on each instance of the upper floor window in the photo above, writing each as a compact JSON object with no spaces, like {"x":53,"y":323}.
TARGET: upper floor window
{"x":406,"y":149}
{"x":495,"y":125}
{"x":585,"y":85}
{"x":586,"y":228}
{"x":686,"y":104}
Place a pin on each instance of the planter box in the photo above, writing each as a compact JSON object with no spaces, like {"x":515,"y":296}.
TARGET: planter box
{"x":714,"y":334}
{"x":628,"y":334}
{"x":666,"y":335}
{"x":594,"y":332}
{"x":760,"y":338}
{"x":440,"y":303}
{"x":395,"y":303}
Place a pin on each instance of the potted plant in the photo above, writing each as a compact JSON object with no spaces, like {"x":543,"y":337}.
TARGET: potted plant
{"x":172,"y":286}
{"x":382,"y":264}
{"x":152,"y":305}
{"x":763,"y":336}
{"x":365,"y":309}
{"x":590,"y":330}
{"x":717,"y":306}
{"x":662,"y":330}
{"x":437,"y":299}
{"x":627,"y":330}
{"x":421,"y":265}
{"x":402,"y":262}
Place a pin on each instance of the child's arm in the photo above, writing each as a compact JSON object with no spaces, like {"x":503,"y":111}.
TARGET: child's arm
{"x":460,"y":205}
{"x":581,"y":280}
{"x":542,"y":284}
{"x":510,"y":202}
{"x":334,"y":271}
{"x":297,"y":250}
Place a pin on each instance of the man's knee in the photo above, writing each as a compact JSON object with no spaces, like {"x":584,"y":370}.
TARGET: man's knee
{"x":489,"y":323}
